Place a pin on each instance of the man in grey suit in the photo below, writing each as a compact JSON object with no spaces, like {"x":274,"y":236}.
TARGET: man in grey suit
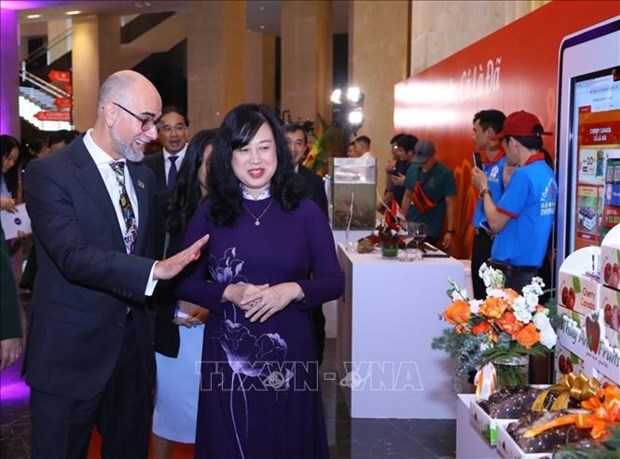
{"x":173,"y":136}
{"x":89,"y":358}
{"x":297,"y":142}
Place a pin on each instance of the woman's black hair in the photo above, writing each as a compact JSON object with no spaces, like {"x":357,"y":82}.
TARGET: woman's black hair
{"x":187,"y":192}
{"x":529,"y":142}
{"x":238,"y":128}
{"x":7,"y":144}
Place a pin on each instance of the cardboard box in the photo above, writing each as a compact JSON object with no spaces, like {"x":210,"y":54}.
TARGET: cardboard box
{"x":578,"y":281}
{"x":610,"y":259}
{"x":610,"y":307}
{"x":484,"y":424}
{"x":578,"y":292}
{"x":508,"y":448}
{"x":599,"y":359}
{"x":566,"y":362}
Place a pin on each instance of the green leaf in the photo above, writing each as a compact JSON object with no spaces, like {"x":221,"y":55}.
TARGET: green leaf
{"x":576,"y":284}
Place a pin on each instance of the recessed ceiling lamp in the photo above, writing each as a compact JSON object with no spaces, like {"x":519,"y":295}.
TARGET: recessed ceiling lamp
{"x":72,"y":13}
{"x":33,"y":16}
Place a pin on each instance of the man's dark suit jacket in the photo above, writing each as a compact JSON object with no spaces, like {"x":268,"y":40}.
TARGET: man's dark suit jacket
{"x":155,"y":161}
{"x":315,"y":186}
{"x":85,"y":281}
{"x":10,"y":326}
{"x":167,"y":338}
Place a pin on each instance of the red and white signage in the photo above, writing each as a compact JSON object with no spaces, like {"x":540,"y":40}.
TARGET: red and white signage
{"x":59,"y":76}
{"x":51,"y":115}
{"x":63,"y":102}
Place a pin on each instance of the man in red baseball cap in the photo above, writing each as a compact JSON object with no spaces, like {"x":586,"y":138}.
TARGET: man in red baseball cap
{"x":522,"y":124}
{"x":523,"y":216}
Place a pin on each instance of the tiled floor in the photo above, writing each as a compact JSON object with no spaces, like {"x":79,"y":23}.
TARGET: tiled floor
{"x":348,"y":438}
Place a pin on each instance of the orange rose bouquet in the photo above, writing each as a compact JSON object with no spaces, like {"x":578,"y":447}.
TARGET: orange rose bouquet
{"x":505,"y":327}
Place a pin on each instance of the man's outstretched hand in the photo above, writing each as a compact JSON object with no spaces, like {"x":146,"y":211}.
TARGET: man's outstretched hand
{"x":170,"y":267}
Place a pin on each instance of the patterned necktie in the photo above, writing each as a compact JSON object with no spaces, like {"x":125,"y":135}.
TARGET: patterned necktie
{"x":131,"y":233}
{"x":172,"y":173}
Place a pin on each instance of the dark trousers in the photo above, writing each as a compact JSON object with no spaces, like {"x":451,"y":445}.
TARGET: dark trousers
{"x":318,"y":323}
{"x":516,"y":277}
{"x":61,"y":427}
{"x":481,"y":252}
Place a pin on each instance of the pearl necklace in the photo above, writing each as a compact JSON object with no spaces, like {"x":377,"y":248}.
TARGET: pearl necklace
{"x":257,"y":219}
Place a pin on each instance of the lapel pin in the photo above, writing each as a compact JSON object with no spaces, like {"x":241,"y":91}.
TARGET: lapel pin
{"x":140,"y":183}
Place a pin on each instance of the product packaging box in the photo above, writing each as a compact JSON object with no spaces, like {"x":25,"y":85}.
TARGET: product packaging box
{"x":509,"y":449}
{"x":578,"y":281}
{"x":484,"y":424}
{"x":610,"y":306}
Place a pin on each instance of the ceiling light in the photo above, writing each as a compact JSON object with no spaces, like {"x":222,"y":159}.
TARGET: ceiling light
{"x":356,"y":117}
{"x":72,"y":13}
{"x":354,"y":94}
{"x":33,"y":16}
{"x":336,"y":96}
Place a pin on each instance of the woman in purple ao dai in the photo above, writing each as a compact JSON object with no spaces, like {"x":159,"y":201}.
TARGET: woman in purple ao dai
{"x":271,"y":256}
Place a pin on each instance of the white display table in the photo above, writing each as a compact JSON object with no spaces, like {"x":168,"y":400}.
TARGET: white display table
{"x":387,"y":318}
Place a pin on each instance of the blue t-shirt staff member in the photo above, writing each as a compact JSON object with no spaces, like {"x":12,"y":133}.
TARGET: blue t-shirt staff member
{"x":486,"y":125}
{"x":523,"y":217}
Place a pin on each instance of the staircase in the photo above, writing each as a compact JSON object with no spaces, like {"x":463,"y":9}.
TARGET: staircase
{"x":167,"y":34}
{"x":143,"y":37}
{"x":39,"y":98}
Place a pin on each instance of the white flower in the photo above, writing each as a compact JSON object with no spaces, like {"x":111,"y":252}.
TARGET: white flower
{"x":531,"y":299}
{"x":491,"y":277}
{"x":541,"y":320}
{"x":493,"y":292}
{"x":474,"y":306}
{"x":548,"y":337}
{"x":521,"y":310}
{"x":456,"y":292}
{"x":533,"y":290}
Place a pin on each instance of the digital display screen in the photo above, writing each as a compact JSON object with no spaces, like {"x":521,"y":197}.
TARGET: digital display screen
{"x":595,"y":156}
{"x":587,"y":137}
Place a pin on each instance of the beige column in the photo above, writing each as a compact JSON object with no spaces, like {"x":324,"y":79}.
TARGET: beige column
{"x":378,"y":56}
{"x":96,"y":51}
{"x":217,"y":64}
{"x":261,"y":55}
{"x":58,"y":33}
{"x":306,"y":62}
{"x":441,"y":28}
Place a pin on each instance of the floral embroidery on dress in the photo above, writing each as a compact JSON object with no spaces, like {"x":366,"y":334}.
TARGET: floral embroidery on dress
{"x":228,"y":268}
{"x":248,"y":355}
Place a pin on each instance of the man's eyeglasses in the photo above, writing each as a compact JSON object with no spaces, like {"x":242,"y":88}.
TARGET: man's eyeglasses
{"x":147,"y":121}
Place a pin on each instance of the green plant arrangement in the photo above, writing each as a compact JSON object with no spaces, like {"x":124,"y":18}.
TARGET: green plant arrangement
{"x":495,"y":335}
{"x":331,"y":141}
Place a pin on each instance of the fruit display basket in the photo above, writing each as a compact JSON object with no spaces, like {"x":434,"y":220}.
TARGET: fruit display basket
{"x":589,"y":335}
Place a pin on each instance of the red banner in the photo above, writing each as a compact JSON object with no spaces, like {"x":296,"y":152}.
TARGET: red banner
{"x":59,"y":76}
{"x":601,"y":131}
{"x":50,"y":115}
{"x":514,"y":68}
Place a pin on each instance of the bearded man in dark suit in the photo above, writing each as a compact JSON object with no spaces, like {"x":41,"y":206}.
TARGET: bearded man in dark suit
{"x":89,"y":357}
